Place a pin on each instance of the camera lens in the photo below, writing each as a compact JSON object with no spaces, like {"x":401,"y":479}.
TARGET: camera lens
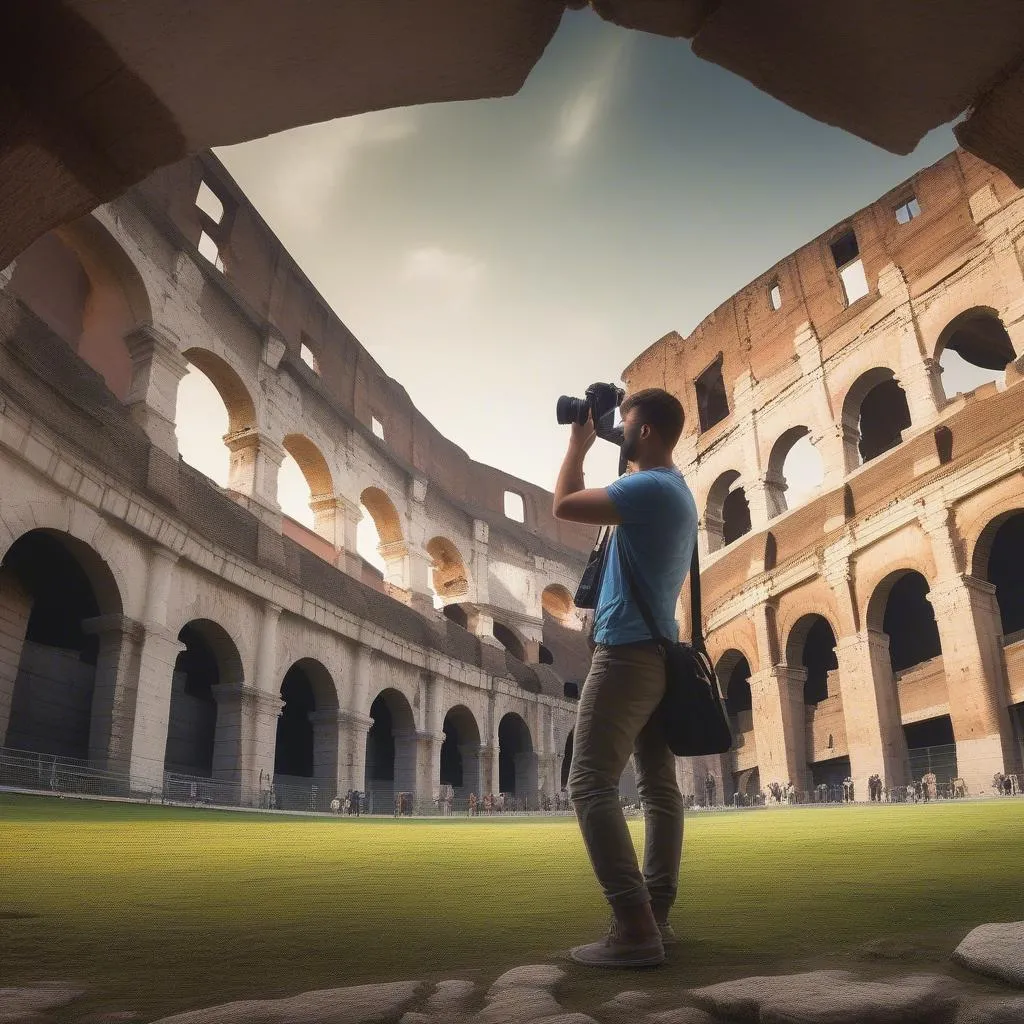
{"x":570,"y":410}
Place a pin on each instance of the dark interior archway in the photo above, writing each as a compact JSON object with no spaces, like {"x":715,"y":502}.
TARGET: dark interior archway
{"x":818,"y":657}
{"x":293,"y":753}
{"x":884,"y":415}
{"x":910,"y":623}
{"x":192,"y":721}
{"x":735,"y":516}
{"x":513,"y":741}
{"x":1006,"y":573}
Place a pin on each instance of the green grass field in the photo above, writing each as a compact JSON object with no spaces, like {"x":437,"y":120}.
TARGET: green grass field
{"x":161,"y":910}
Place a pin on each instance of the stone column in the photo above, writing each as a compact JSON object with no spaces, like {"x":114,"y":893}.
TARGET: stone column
{"x":329,"y":742}
{"x":970,"y":631}
{"x":337,"y":519}
{"x":478,"y":564}
{"x":874,"y":729}
{"x":922,"y":382}
{"x":255,"y":463}
{"x":352,"y":758}
{"x":428,"y":766}
{"x":409,"y":762}
{"x":489,"y":769}
{"x":15,"y":608}
{"x":157,"y":369}
{"x":243,"y":747}
{"x":779,"y":725}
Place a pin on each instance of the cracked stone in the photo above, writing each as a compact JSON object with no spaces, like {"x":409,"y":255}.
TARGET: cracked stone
{"x":545,"y":976}
{"x":830,"y":997}
{"x":24,"y":1002}
{"x":359,"y":1004}
{"x":451,"y":997}
{"x":996,"y":950}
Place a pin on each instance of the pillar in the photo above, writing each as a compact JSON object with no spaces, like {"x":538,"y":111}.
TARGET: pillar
{"x":428,"y":766}
{"x":337,"y":519}
{"x":255,"y":462}
{"x":157,"y":370}
{"x":410,"y":770}
{"x":780,"y":726}
{"x":478,"y":563}
{"x":874,"y":730}
{"x":407,"y":570}
{"x":489,"y":768}
{"x":922,"y":383}
{"x":243,"y":748}
{"x":352,"y":755}
{"x":328,"y":746}
{"x":970,"y":631}
{"x":15,"y":608}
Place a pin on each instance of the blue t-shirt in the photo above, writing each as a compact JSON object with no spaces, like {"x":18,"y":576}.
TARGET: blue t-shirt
{"x":658,"y":531}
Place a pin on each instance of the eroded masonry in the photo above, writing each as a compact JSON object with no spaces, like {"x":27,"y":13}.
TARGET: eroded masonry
{"x":156,"y":625}
{"x":874,"y":625}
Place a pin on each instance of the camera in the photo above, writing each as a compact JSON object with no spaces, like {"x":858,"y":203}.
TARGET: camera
{"x":601,"y":400}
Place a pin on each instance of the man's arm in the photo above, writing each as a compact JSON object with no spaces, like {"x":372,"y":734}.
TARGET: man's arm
{"x":573,"y":501}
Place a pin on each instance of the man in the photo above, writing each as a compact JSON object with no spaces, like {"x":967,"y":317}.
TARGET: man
{"x":656,"y":520}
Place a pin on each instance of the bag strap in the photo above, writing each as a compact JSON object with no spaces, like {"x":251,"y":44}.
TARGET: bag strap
{"x":696,"y":627}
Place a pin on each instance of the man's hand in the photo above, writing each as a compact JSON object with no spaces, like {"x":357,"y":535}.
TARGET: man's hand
{"x":583,"y":435}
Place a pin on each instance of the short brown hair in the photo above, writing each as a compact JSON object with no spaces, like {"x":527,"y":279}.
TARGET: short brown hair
{"x":660,"y":410}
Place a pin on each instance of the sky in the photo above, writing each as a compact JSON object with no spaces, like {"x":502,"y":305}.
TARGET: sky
{"x":492,"y":255}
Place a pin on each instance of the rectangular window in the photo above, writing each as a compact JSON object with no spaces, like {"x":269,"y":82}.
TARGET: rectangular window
{"x":775,"y":295}
{"x":377,"y":427}
{"x":712,"y":404}
{"x":309,"y":359}
{"x":514,"y":508}
{"x":208,"y":201}
{"x":208,"y":248}
{"x":846,"y":254}
{"x":908,"y":211}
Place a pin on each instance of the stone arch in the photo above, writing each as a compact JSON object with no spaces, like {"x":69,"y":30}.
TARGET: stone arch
{"x":980,"y":534}
{"x":306,"y":743}
{"x":209,"y":661}
{"x":312,"y":463}
{"x":61,"y":637}
{"x":737,"y":635}
{"x":460,"y":752}
{"x":390,"y":748}
{"x":727,"y":514}
{"x":384,"y":515}
{"x":232,"y":390}
{"x":511,"y":639}
{"x":449,"y":575}
{"x":874,"y":415}
{"x":558,"y":603}
{"x":999,"y":560}
{"x":517,"y":761}
{"x":899,"y":608}
{"x":975,"y":339}
{"x":733,"y":671}
{"x":811,"y":645}
{"x":781,"y":463}
{"x":457,"y":614}
{"x":80,"y":281}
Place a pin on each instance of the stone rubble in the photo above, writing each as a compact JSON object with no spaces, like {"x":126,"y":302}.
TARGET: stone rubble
{"x":526,"y":995}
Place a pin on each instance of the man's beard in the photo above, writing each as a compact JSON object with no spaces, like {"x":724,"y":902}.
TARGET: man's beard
{"x":629,"y":446}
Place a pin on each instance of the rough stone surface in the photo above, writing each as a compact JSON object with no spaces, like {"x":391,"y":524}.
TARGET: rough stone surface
{"x":28,"y":1001}
{"x":545,"y":976}
{"x":996,"y":950}
{"x":518,"y":1005}
{"x":631,"y":1000}
{"x":1005,"y":1010}
{"x":830,"y":997}
{"x":451,"y":997}
{"x":682,"y":1015}
{"x":359,"y":1004}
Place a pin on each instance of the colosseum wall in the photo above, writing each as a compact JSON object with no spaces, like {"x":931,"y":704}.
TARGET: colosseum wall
{"x":875,"y":624}
{"x":153,"y":622}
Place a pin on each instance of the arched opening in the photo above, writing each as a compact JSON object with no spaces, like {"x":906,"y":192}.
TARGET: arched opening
{"x":909,"y":621}
{"x":566,"y":760}
{"x":449,"y":578}
{"x":727,"y":516}
{"x":302,"y":749}
{"x":57,"y":651}
{"x":973,"y":349}
{"x":795,"y":471}
{"x":212,"y":403}
{"x":875,"y":414}
{"x":545,"y":657}
{"x":390,"y":749}
{"x":379,"y":537}
{"x":210,"y":659}
{"x":83,"y":285}
{"x":557,"y":602}
{"x":999,"y":559}
{"x":304,"y":480}
{"x":812,"y":646}
{"x":457,"y":614}
{"x":517,"y":763}
{"x":509,"y":641}
{"x":733,"y":671}
{"x":931,"y":747}
{"x":460,"y":752}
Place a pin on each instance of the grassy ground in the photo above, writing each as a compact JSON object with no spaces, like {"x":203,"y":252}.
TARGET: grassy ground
{"x":161,"y":910}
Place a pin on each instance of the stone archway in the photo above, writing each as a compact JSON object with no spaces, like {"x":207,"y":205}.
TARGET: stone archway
{"x":449,"y":577}
{"x":727,"y":514}
{"x":517,"y":761}
{"x":62,"y":637}
{"x":875,"y":414}
{"x":973,"y":349}
{"x":460,"y":753}
{"x":390,"y":749}
{"x":794,"y":471}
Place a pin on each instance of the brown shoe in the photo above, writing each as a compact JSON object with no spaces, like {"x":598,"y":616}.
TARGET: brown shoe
{"x":615,"y":951}
{"x":668,"y":935}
